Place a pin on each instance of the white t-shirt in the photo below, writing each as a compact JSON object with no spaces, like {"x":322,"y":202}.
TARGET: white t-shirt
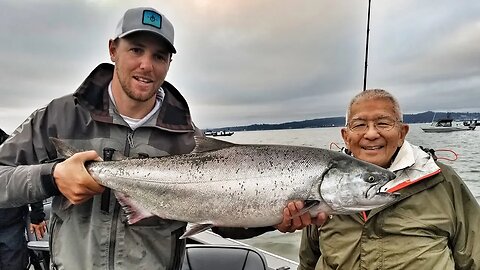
{"x":134,"y":122}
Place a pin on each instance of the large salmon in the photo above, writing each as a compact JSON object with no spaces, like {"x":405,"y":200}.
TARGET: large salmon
{"x":235,"y":185}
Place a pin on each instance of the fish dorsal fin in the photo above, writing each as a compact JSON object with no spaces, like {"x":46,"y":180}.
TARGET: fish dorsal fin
{"x":206,"y":144}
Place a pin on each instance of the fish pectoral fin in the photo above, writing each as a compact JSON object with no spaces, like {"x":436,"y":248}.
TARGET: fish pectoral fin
{"x":308,"y":205}
{"x":196,"y":228}
{"x":134,"y":211}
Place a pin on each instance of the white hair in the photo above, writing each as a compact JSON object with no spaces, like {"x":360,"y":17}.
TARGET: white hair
{"x":375,"y":94}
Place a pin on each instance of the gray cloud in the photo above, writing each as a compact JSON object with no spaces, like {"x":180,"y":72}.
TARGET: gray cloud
{"x":246,"y":62}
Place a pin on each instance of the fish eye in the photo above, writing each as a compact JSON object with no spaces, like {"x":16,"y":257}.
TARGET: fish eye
{"x":371,"y":179}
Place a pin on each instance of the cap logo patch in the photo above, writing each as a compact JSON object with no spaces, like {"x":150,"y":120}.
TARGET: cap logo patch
{"x":152,"y":18}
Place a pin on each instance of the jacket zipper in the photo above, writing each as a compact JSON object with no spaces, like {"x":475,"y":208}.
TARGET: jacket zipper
{"x":53,"y":224}
{"x":116,"y":210}
{"x":130,"y":143}
{"x":113,"y":233}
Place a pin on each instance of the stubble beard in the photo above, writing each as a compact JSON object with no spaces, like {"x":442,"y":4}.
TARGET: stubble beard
{"x":131,"y":94}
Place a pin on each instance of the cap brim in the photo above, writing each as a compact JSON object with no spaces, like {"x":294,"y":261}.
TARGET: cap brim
{"x":167,"y":42}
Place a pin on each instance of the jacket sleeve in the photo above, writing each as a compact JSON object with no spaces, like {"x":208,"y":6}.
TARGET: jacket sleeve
{"x":24,"y":175}
{"x":464,"y":242}
{"x":37,"y":215}
{"x":309,"y":252}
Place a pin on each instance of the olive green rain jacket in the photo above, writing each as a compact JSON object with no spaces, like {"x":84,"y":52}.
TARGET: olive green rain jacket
{"x":95,"y":234}
{"x":434,"y":225}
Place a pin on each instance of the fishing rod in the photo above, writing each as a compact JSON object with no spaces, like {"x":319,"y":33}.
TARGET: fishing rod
{"x":366,"y":48}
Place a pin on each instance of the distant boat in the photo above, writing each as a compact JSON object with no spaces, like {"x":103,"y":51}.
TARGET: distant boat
{"x":218,"y":133}
{"x":446,"y":125}
{"x":473,"y":122}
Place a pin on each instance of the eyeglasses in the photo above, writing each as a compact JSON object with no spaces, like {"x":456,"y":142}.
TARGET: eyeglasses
{"x":381,"y":124}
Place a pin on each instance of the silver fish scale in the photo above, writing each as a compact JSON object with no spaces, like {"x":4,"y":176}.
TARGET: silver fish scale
{"x":229,"y":187}
{"x":244,"y":185}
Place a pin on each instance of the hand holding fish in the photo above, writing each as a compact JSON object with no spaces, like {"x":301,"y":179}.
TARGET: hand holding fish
{"x":73,"y":180}
{"x":290,"y":224}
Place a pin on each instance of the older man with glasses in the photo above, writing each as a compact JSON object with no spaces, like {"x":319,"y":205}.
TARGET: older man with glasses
{"x":433,"y":225}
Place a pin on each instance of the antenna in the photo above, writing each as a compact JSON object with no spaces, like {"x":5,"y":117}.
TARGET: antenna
{"x":366,"y":48}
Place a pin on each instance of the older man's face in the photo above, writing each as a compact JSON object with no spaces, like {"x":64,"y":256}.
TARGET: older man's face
{"x":374,"y":131}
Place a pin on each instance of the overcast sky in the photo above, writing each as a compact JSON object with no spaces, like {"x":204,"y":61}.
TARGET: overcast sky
{"x":242,"y":62}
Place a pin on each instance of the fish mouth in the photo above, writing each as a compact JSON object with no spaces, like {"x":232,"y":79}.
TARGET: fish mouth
{"x":372,"y":191}
{"x":369,"y":192}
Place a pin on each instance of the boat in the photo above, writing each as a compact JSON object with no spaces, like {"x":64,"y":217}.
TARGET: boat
{"x":218,"y":133}
{"x":447,"y":125}
{"x":473,"y":122}
{"x":211,"y":249}
{"x":205,"y":250}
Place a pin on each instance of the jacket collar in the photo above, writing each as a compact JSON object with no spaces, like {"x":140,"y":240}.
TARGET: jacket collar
{"x":404,"y":158}
{"x":411,"y":165}
{"x":174,"y":114}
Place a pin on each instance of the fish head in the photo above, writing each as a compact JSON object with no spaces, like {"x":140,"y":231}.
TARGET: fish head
{"x":350,"y":185}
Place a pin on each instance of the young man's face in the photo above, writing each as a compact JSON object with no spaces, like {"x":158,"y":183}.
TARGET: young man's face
{"x":141,"y":61}
{"x":374,"y":131}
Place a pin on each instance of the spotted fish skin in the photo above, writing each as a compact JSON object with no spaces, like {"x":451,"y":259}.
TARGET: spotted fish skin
{"x":236,"y":185}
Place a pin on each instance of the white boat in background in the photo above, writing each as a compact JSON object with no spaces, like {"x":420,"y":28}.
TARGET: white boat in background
{"x":218,"y":133}
{"x":473,"y":122}
{"x":447,"y":125}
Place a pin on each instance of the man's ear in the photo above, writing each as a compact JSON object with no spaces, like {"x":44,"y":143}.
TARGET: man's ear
{"x":112,"y":50}
{"x":344,"y":132}
{"x":403,"y":133}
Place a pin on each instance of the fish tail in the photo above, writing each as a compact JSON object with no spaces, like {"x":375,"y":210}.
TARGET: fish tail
{"x":62,"y":148}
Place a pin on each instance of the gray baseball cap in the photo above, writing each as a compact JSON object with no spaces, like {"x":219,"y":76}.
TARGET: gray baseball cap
{"x":146,"y":19}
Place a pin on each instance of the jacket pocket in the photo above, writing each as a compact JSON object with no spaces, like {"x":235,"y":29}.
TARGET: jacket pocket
{"x":153,"y":244}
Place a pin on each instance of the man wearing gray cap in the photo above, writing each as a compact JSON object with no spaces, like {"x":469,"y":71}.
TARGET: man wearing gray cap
{"x":126,"y":107}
